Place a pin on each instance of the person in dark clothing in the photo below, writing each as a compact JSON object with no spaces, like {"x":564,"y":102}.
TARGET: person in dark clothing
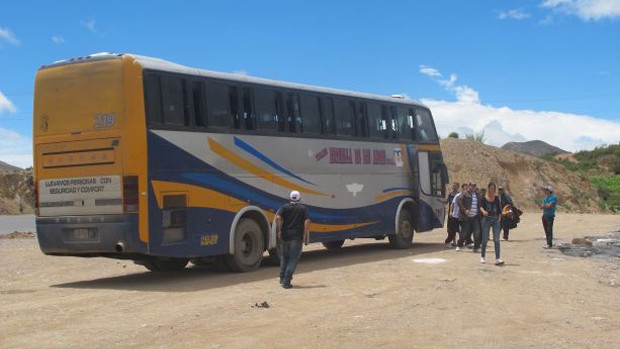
{"x":453,"y":222}
{"x":491,"y":211}
{"x":292,"y":227}
{"x":505,"y":199}
{"x":468,"y":217}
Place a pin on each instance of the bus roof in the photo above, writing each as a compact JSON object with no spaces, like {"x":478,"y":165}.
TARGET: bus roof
{"x":159,"y":64}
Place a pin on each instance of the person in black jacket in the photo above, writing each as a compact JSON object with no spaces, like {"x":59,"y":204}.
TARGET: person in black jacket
{"x":505,"y":199}
{"x":292,"y":227}
{"x":491,"y":211}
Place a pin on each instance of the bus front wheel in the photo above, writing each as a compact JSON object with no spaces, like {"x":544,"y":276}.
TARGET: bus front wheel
{"x":404,"y":233}
{"x":249,"y":246}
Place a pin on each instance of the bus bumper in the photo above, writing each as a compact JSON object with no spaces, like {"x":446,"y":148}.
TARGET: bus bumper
{"x":102,"y":235}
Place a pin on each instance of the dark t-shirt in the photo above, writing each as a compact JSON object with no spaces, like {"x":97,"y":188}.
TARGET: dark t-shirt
{"x":293,"y":217}
{"x":492,"y":207}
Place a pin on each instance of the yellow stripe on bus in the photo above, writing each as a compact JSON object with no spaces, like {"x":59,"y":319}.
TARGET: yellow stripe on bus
{"x":198,"y":196}
{"x":242,"y":163}
{"x":392,"y":194}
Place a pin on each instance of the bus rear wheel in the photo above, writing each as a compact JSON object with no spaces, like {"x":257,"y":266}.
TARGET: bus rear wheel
{"x":164,"y":265}
{"x":333,"y":245}
{"x":404,"y":233}
{"x":249,"y":246}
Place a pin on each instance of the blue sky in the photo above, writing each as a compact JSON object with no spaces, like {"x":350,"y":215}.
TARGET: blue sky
{"x":517,"y":70}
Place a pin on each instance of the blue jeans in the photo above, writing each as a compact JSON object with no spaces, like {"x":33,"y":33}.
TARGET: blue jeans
{"x":487,"y":223}
{"x":290,"y":252}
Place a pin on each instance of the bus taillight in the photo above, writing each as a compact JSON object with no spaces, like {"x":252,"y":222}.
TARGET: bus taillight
{"x":130,"y":194}
{"x":36,"y":198}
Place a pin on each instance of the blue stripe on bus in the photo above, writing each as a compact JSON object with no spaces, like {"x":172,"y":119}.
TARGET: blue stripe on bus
{"x":395,"y":189}
{"x":248,"y":148}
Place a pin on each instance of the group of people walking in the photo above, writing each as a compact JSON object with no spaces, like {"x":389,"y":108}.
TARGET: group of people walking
{"x":474,"y":213}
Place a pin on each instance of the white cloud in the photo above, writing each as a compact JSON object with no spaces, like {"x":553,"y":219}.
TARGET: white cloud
{"x":6,"y":105}
{"x":8,"y":36}
{"x":58,"y":40}
{"x":15,"y":149}
{"x":501,"y":125}
{"x":586,"y":9}
{"x":514,"y":14}
{"x":90,"y":25}
{"x":463,"y":93}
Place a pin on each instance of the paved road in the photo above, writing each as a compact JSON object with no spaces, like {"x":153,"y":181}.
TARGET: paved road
{"x":11,"y":223}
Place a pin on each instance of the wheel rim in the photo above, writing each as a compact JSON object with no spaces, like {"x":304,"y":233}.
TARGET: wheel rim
{"x":405,"y":229}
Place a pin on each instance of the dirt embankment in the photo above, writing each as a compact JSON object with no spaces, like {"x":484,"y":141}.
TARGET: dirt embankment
{"x":521,"y":174}
{"x":16,"y":192}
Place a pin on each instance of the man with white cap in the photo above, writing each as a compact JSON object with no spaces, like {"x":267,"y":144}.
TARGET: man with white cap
{"x":292,"y":226}
{"x":548,"y":206}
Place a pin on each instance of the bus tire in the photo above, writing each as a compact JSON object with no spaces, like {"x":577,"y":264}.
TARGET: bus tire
{"x":333,"y":245}
{"x":403,"y":238}
{"x":164,"y":265}
{"x":249,"y":246}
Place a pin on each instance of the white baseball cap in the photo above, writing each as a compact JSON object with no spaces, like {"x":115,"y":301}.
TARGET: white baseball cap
{"x":295,"y":196}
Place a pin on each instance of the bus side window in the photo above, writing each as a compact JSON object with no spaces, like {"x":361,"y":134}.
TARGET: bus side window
{"x":175,"y":100}
{"x":373,"y":112}
{"x":394,"y":126}
{"x":279,"y":117}
{"x":293,"y":115}
{"x":233,"y":99}
{"x":344,"y":117}
{"x":310,"y":113}
{"x":198,"y":103}
{"x":152,"y":90}
{"x":386,"y":121}
{"x":401,"y":117}
{"x":327,"y":104}
{"x":361,"y":122}
{"x":265,"y":107}
{"x":248,"y":113}
{"x":219,"y":113}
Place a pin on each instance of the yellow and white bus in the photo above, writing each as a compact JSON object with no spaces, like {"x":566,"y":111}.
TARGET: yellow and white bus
{"x":140,"y":158}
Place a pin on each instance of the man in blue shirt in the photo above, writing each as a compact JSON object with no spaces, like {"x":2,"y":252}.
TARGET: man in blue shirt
{"x":548,"y":206}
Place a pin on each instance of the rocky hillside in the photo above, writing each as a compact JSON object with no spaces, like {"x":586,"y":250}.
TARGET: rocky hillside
{"x":521,"y":174}
{"x":536,"y":148}
{"x":16,"y":192}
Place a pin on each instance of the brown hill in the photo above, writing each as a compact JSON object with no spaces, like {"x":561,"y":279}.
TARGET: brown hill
{"x":8,"y":167}
{"x":521,"y":174}
{"x":536,"y":148}
{"x":16,"y":192}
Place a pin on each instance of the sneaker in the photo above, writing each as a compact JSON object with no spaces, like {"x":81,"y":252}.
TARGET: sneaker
{"x":499,"y":262}
{"x":287,"y":286}
{"x":458,"y":248}
{"x":482,"y":260}
{"x":475,"y":250}
{"x":546,"y":247}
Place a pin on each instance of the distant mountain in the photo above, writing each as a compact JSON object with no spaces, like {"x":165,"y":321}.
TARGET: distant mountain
{"x":6,"y":167}
{"x":535,"y":148}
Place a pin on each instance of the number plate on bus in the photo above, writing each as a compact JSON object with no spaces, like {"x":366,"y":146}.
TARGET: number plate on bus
{"x":83,"y":234}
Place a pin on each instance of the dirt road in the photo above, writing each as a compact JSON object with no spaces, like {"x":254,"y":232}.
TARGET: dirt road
{"x":363,"y":296}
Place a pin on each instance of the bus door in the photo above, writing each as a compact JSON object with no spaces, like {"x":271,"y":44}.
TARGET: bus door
{"x":430,"y":178}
